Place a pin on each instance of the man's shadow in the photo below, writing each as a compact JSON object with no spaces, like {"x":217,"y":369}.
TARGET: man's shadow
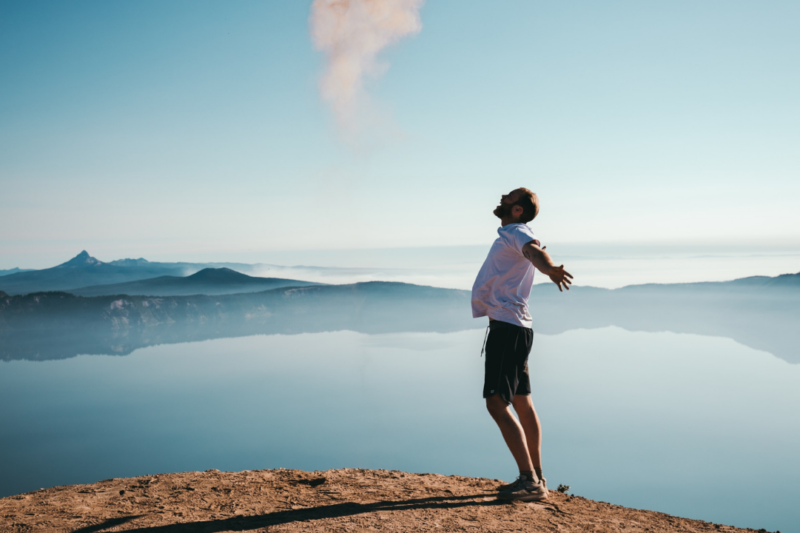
{"x":246,"y":523}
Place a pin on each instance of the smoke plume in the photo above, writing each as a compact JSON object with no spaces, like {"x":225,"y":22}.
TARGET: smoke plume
{"x":351,"y":33}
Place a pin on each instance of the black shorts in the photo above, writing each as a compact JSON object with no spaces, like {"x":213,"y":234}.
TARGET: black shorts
{"x":507,"y":350}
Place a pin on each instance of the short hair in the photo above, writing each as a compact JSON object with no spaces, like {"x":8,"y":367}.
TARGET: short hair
{"x":529,"y":203}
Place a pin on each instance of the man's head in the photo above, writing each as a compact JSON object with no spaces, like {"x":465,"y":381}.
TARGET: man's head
{"x":520,"y":205}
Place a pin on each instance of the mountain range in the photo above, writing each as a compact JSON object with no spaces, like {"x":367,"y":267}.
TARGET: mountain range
{"x":209,"y":281}
{"x":760,"y":312}
{"x":84,"y":271}
{"x":81,"y":271}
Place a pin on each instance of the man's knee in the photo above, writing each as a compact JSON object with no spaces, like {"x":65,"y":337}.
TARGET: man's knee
{"x":496,"y":406}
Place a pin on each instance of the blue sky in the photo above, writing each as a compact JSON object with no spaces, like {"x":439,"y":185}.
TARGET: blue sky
{"x":174,"y":129}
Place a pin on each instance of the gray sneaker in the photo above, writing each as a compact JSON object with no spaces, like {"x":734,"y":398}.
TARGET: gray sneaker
{"x":523,"y":489}
{"x":508,"y":485}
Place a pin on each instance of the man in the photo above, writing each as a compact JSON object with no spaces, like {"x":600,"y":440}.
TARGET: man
{"x":501,"y":292}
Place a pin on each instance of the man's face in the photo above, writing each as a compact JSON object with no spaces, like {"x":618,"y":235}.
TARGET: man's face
{"x":507,"y":202}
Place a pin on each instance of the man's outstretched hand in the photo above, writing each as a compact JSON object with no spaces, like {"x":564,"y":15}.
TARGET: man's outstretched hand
{"x":560,"y":277}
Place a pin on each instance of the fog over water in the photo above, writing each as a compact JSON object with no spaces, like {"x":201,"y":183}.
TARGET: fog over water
{"x":598,"y":265}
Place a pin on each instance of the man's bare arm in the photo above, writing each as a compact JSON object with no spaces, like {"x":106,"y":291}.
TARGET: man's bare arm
{"x":544,"y":263}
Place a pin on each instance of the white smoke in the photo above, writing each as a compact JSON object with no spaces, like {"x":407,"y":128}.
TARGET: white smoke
{"x":351,"y":33}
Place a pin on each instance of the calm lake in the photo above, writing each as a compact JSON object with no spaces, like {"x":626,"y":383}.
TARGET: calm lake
{"x":694,"y":426}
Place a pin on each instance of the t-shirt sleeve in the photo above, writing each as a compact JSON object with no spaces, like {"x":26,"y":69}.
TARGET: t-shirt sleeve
{"x":522,"y":235}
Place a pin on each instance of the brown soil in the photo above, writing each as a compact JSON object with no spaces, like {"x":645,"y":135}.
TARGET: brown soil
{"x":336,"y":500}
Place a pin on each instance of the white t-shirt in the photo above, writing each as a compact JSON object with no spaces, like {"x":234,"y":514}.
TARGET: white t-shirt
{"x":504,"y":282}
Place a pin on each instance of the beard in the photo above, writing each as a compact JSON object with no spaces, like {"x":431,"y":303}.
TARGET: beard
{"x":502,"y":210}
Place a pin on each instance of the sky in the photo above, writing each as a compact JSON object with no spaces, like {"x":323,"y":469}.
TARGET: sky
{"x":196,"y":130}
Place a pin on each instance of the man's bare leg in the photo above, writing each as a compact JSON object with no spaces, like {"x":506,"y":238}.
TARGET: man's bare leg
{"x":512,"y":431}
{"x":532,"y":429}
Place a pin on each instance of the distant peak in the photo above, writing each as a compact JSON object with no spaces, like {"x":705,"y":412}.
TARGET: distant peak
{"x":219,"y":274}
{"x":82,"y":259}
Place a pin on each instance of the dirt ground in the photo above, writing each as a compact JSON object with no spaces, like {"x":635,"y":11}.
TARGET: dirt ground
{"x":347,"y":500}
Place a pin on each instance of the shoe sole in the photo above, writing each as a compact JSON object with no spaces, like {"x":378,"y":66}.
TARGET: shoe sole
{"x":533,"y":497}
{"x":507,"y":486}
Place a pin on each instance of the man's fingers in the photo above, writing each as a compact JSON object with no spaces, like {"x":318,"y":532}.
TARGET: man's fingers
{"x":564,"y":271}
{"x":562,"y":279}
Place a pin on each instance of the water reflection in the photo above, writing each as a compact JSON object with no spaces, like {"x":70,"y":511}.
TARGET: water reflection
{"x":65,"y":326}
